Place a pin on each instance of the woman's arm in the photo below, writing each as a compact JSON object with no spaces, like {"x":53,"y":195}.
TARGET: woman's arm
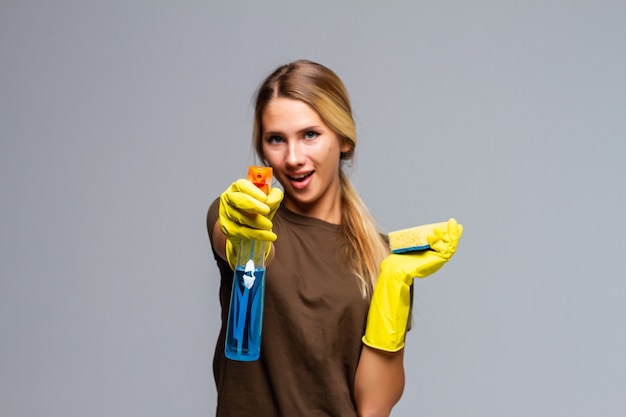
{"x":219,"y":240}
{"x":379,"y":381}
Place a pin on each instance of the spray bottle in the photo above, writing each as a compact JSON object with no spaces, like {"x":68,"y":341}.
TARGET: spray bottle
{"x":245,"y":313}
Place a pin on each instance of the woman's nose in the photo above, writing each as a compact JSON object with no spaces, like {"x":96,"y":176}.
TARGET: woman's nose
{"x":295,"y":155}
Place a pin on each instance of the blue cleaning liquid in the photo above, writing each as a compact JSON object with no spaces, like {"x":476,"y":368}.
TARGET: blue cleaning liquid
{"x":245,"y":316}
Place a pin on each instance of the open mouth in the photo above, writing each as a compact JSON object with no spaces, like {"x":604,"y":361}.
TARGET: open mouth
{"x":300,"y":178}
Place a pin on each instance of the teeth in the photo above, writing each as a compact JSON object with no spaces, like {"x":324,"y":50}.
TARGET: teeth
{"x":299,"y":177}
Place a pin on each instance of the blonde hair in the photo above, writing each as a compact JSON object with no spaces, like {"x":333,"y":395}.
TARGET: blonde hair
{"x":323,"y":90}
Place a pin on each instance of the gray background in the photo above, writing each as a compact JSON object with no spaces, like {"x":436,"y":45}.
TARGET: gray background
{"x":122,"y":120}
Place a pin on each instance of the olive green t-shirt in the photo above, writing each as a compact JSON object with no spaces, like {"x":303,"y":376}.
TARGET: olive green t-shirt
{"x":313,"y":321}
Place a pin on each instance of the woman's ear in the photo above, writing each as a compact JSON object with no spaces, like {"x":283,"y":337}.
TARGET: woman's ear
{"x":347,"y":149}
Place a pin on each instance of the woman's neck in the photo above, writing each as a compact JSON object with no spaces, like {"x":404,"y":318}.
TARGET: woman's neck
{"x":329,"y":211}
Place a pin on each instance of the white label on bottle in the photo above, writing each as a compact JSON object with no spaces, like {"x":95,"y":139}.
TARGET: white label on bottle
{"x":248,"y":274}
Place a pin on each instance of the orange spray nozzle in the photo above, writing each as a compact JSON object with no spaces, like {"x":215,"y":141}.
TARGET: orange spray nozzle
{"x":261,"y":177}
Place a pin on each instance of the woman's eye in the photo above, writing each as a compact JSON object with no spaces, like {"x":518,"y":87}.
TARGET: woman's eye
{"x":274,"y":139}
{"x":311,"y":135}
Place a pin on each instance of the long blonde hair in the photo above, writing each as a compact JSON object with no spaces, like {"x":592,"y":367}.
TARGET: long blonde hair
{"x":323,"y":90}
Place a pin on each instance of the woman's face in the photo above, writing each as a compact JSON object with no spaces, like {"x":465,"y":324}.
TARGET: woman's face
{"x":304,"y":154}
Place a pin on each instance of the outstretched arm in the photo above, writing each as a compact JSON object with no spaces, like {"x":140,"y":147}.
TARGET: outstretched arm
{"x":245,"y":212}
{"x":379,"y":381}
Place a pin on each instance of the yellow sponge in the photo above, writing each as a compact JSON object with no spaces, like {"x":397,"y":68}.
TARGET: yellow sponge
{"x":411,"y":239}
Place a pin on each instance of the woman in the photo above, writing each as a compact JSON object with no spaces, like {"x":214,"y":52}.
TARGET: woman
{"x":322,"y":265}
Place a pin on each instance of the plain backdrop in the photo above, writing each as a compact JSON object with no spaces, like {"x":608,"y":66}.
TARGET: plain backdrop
{"x":120,"y":122}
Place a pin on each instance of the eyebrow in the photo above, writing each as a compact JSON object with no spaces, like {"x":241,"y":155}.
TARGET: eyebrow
{"x":313,"y":127}
{"x":303,"y":130}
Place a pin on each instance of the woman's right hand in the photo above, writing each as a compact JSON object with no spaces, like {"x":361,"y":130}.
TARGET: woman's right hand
{"x":246,"y":212}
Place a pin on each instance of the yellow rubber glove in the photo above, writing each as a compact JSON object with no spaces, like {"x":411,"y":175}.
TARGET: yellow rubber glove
{"x":389,"y":309}
{"x":246,"y":212}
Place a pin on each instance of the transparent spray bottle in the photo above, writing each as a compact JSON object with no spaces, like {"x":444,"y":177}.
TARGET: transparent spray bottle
{"x":245,"y":313}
